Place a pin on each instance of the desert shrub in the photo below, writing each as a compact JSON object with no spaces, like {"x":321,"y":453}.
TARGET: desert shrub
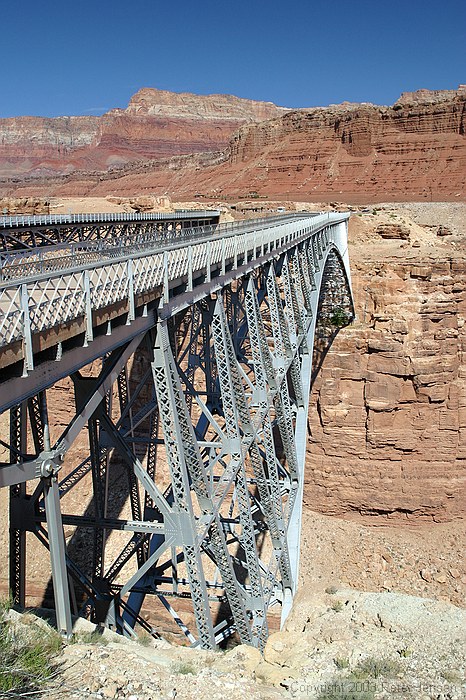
{"x":183,"y":668}
{"x":6,"y":603}
{"x":94,"y":637}
{"x":451,"y":676}
{"x":374,"y":668}
{"x":144,"y":638}
{"x":26,"y":659}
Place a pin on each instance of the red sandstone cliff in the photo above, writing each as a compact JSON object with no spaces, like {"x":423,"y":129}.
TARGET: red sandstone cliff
{"x":388,"y":408}
{"x":416,"y":146}
{"x":155,"y":124}
{"x":414,"y":149}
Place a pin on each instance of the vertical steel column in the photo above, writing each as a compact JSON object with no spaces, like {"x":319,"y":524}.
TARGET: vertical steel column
{"x":286,"y":340}
{"x":265,"y":378}
{"x":169,"y":400}
{"x":307,"y":283}
{"x":235,"y":419}
{"x":200,"y":484}
{"x":57,"y":556}
{"x":281,"y":354}
{"x":17,"y":561}
{"x":299,"y":296}
{"x":56,"y":538}
{"x":124,"y":400}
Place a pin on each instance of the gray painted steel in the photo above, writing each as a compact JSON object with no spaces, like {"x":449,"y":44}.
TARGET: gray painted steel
{"x":27,"y":232}
{"x":199,"y":402}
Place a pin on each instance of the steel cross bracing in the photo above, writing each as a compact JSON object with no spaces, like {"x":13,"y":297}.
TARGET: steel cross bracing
{"x":56,"y":296}
{"x":188,"y":425}
{"x":29,"y":232}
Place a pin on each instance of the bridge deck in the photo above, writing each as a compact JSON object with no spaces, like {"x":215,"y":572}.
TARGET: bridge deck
{"x":52,"y":295}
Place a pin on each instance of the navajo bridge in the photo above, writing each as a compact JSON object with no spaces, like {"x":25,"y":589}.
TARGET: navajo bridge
{"x":155,"y":374}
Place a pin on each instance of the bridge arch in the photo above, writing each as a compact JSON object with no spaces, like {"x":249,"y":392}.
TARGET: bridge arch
{"x":205,"y":416}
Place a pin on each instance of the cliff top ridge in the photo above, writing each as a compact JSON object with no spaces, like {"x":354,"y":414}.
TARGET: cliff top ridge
{"x":163,"y":103}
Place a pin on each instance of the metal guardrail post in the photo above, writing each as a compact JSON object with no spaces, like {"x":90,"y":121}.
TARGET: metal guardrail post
{"x":131,"y":307}
{"x":27,"y":336}
{"x":235,"y":255}
{"x":166,"y":291}
{"x":223,"y":256}
{"x":190,"y":268}
{"x":88,"y":307}
{"x":208,"y":258}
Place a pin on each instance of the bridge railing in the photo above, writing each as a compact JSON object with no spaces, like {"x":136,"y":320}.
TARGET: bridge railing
{"x":61,"y":289}
{"x":27,"y":264}
{"x":60,"y":219}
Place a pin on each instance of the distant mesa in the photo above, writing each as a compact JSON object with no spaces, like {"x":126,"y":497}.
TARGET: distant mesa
{"x":162,"y":103}
{"x":156,"y":124}
{"x":220,"y":145}
{"x":424,"y":96}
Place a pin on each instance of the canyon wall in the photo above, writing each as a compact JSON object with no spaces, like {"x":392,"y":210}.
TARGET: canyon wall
{"x":155,"y":124}
{"x":388,"y":408}
{"x":415,"y":149}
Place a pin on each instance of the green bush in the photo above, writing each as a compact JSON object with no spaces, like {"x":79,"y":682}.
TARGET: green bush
{"x":339,"y":317}
{"x":6,"y":603}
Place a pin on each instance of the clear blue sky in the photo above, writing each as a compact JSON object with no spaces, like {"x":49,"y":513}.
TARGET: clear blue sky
{"x":85,"y":57}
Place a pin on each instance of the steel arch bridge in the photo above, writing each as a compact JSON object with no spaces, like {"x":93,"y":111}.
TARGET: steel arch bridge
{"x":187,"y":362}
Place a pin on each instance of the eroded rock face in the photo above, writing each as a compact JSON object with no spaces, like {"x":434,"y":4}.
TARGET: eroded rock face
{"x":388,"y":410}
{"x":152,"y":102}
{"x":396,"y":231}
{"x":416,"y":146}
{"x":358,"y":152}
{"x":155,"y":124}
{"x":11,"y":206}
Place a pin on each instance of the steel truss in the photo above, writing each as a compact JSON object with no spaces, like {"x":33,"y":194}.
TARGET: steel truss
{"x":195,"y":455}
{"x":30,"y":232}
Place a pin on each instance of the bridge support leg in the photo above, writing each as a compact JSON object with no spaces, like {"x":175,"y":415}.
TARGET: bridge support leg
{"x":170,"y":402}
{"x":57,"y":555}
{"x":17,"y":533}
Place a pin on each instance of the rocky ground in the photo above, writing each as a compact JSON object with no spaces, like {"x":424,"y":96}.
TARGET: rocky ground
{"x":340,"y":643}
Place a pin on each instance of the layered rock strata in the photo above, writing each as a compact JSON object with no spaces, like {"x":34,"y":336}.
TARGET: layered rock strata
{"x":388,"y":409}
{"x":361,"y":152}
{"x":416,"y":146}
{"x":156,"y":124}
